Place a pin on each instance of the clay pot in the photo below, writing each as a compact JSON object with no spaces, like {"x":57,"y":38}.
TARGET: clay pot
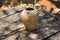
{"x":30,"y":18}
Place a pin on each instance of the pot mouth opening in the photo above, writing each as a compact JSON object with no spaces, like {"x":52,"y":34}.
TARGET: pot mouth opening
{"x":29,"y":9}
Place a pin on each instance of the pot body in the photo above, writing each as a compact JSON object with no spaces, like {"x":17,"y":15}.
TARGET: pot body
{"x":29,"y":17}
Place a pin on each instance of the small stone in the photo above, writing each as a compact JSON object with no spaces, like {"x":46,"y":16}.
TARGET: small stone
{"x":22,"y":26}
{"x":33,"y":36}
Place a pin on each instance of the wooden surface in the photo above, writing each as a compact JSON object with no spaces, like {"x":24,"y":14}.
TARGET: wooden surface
{"x":12,"y":21}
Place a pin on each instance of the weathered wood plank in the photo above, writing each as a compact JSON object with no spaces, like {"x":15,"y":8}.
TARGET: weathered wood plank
{"x":9,"y":11}
{"x":2,"y":15}
{"x":6,"y":27}
{"x":13,"y":18}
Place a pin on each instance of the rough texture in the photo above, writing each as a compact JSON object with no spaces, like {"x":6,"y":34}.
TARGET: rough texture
{"x":47,"y":25}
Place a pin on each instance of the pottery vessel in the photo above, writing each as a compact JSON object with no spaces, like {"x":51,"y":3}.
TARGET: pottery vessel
{"x":29,"y":17}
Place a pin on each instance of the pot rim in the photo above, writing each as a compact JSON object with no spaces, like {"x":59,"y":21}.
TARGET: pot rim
{"x":30,"y":9}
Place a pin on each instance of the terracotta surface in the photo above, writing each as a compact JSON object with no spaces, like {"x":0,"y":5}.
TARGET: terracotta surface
{"x":30,"y":19}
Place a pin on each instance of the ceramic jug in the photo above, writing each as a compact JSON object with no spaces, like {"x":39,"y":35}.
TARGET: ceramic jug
{"x":29,"y":17}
